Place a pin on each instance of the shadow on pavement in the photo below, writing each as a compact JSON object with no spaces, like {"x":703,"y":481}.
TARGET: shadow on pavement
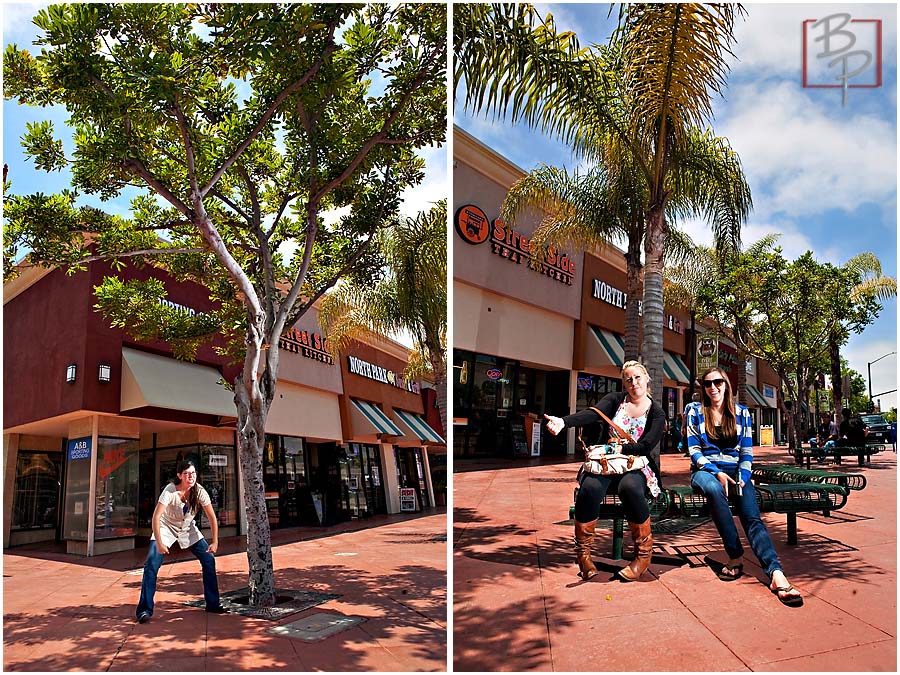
{"x":408,"y":604}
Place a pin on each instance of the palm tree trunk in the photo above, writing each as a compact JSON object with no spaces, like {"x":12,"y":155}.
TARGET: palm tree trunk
{"x":635,"y":291}
{"x":654,"y":257}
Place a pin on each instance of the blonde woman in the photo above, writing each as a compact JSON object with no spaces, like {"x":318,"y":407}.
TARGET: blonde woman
{"x":719,"y":437}
{"x":636,"y":413}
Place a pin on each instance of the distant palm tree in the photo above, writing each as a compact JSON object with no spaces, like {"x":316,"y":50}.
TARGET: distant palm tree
{"x":412,"y":298}
{"x":872,"y":283}
{"x":651,"y":92}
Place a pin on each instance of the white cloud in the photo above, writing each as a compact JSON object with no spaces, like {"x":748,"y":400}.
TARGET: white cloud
{"x":805,"y":161}
{"x":433,"y":188}
{"x":769,"y":40}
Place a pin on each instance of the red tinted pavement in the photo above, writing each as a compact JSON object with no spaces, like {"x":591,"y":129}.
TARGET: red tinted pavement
{"x":69,"y":613}
{"x":519,"y":606}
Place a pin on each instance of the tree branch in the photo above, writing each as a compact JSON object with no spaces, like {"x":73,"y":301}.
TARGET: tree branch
{"x":270,"y":111}
{"x":138,"y":167}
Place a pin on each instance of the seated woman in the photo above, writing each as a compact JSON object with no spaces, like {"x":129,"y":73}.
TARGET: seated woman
{"x":637,"y":414}
{"x":719,"y":437}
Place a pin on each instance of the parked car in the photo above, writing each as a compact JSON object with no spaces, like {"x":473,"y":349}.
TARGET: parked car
{"x":879,"y":429}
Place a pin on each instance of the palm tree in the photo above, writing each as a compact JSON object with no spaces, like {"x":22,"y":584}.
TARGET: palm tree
{"x":873,"y":284}
{"x":651,"y":94}
{"x":412,"y":297}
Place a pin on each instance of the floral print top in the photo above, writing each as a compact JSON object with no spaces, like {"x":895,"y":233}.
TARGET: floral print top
{"x":633,"y":425}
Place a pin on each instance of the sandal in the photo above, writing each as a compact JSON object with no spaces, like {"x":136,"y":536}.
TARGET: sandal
{"x":788,"y":595}
{"x":730,"y":572}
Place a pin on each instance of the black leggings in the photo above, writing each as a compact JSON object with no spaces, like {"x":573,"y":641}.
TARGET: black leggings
{"x":631,"y":486}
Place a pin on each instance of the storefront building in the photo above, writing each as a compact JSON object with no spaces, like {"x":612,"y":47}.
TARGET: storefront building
{"x":385,"y":464}
{"x":96,"y":423}
{"x":514,"y":317}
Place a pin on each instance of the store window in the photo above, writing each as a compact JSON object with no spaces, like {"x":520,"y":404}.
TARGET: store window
{"x":216,"y":472}
{"x":36,"y":494}
{"x":117,"y":488}
{"x":591,"y":390}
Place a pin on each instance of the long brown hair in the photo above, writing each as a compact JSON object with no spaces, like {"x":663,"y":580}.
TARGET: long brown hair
{"x":193,"y":496}
{"x":729,"y":419}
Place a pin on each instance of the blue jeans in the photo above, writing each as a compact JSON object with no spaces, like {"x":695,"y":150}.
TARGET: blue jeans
{"x":748,"y":512}
{"x":155,"y":561}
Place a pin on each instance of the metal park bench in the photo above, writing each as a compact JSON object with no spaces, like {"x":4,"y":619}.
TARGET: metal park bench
{"x":787,"y":473}
{"x":863,"y":453}
{"x":787,"y":498}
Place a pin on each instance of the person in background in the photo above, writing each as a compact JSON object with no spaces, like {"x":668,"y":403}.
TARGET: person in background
{"x":173,"y":521}
{"x":720,"y":440}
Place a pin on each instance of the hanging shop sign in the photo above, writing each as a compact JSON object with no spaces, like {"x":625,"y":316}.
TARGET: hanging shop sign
{"x":310,"y":345}
{"x":707,"y":351}
{"x":618,"y":298}
{"x":473,"y":227}
{"x":79,"y":448}
{"x":370,"y":370}
{"x":494,"y":374}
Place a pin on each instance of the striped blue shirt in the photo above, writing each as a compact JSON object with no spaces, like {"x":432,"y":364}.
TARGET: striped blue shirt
{"x":708,"y":457}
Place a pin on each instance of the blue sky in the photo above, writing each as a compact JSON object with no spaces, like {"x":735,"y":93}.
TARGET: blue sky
{"x":823,"y":175}
{"x":17,"y":28}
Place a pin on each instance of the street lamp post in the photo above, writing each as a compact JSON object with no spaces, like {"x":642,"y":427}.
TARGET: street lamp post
{"x":869,"y":366}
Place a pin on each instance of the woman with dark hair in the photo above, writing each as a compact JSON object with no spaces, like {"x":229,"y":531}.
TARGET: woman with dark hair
{"x":644,"y":420}
{"x":720,"y":441}
{"x":173,"y":521}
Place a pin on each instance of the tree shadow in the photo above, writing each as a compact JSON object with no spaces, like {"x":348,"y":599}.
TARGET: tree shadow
{"x":405,"y":612}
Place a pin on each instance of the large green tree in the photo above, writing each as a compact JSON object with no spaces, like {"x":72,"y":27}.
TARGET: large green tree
{"x":872,"y":283}
{"x":412,"y":297}
{"x":783,"y":311}
{"x":650,"y":96}
{"x":241,"y":123}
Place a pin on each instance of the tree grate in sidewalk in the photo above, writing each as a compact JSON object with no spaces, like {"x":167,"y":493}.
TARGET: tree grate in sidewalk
{"x":317,"y":626}
{"x":834,"y":518}
{"x":287,"y":602}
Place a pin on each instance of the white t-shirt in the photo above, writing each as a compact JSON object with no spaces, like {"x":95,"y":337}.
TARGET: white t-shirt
{"x":175,"y":524}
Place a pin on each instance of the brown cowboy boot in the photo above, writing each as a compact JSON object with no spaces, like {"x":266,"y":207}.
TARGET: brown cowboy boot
{"x":643,"y":548}
{"x":584,"y":538}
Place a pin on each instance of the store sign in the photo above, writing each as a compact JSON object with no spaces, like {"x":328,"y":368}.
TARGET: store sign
{"x":768,"y":391}
{"x":585,"y":383}
{"x":190,"y":311}
{"x":111,"y":460}
{"x":707,"y":352}
{"x":218,"y":460}
{"x":310,"y":345}
{"x":407,"y":499}
{"x":370,"y":370}
{"x":494,"y":374}
{"x":473,"y":227}
{"x":618,"y":298}
{"x":79,"y":448}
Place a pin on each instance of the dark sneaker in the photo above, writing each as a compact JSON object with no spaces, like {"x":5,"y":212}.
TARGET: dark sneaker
{"x":144,"y":617}
{"x":216,"y":610}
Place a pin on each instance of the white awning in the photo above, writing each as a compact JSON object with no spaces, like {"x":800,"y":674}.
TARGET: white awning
{"x":303,"y":411}
{"x":375,"y":418}
{"x":675,"y":369}
{"x":162,"y":382}
{"x":419,"y":427}
{"x":612,"y":348}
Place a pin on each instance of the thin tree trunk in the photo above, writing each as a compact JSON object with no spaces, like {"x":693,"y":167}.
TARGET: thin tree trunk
{"x":654,"y":257}
{"x":253,"y":409}
{"x":837,"y":384}
{"x":635,"y":290}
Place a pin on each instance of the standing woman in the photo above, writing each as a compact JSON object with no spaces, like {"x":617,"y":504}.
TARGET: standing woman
{"x":636,"y":413}
{"x":719,"y":437}
{"x":173,"y":521}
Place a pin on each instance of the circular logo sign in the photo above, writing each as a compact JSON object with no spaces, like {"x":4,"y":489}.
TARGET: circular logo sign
{"x":494,"y":374}
{"x":472,"y":224}
{"x":707,"y":347}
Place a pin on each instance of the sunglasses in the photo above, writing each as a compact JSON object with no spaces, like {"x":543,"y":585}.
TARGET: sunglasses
{"x":718,"y":382}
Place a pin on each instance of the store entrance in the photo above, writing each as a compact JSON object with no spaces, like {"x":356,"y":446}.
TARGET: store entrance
{"x":289,"y":499}
{"x":411,"y":474}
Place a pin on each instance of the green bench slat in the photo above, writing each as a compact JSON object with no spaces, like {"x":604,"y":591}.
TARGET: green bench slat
{"x":785,"y":473}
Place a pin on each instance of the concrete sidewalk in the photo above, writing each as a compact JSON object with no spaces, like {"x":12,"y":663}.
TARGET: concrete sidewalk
{"x":519,"y":606}
{"x":70,"y":613}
